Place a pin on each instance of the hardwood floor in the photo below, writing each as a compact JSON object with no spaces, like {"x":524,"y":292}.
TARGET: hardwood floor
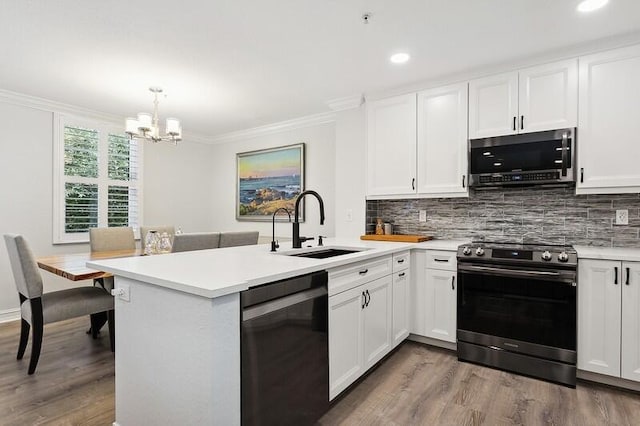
{"x":73,"y":384}
{"x":416,"y":385}
{"x":421,"y":385}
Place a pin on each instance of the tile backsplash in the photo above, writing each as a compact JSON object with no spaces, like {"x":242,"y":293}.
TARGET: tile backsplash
{"x":525,"y":215}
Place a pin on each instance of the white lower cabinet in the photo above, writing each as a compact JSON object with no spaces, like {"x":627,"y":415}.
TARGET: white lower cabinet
{"x":377,"y":320}
{"x":401,"y":308}
{"x":434,"y":303}
{"x":609,"y":318}
{"x":441,"y":303}
{"x":368,"y":315}
{"x":360,"y":321}
{"x":346,"y":362}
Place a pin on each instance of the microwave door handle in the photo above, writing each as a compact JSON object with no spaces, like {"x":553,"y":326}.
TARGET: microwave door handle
{"x":565,"y":154}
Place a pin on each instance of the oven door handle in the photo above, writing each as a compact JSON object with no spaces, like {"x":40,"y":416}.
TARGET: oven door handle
{"x":508,"y":272}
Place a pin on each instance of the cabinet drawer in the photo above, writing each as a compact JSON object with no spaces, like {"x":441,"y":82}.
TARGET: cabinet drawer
{"x":401,"y":260}
{"x":445,"y":260}
{"x":355,"y":274}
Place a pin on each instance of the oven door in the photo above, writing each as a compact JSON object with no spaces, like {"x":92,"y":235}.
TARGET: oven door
{"x":524,"y":309}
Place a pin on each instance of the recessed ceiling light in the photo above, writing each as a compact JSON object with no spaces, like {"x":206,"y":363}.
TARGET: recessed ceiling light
{"x":591,"y":5}
{"x":399,"y":58}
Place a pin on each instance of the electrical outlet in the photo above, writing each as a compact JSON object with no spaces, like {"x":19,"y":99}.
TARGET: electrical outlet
{"x":349,"y":215}
{"x":622,"y":217}
{"x":122,"y":292}
{"x":423,"y":216}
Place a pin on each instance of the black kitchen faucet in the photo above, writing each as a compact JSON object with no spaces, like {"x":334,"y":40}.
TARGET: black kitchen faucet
{"x":297,"y":239}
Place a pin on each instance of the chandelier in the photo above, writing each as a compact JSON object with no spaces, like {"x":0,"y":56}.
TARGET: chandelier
{"x":147,"y":126}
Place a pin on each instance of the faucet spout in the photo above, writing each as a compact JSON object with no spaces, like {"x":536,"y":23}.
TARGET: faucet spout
{"x":297,"y":240}
{"x":274,"y":243}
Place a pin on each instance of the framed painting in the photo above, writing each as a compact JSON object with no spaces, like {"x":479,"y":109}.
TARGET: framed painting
{"x":267,"y":180}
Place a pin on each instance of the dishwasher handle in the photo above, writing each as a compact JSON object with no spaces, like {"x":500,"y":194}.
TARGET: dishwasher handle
{"x":282,"y":303}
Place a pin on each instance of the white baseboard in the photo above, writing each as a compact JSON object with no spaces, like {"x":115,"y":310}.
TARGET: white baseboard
{"x":10,"y":315}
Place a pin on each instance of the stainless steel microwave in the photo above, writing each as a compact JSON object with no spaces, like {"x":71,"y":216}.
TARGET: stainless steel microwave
{"x":529,"y":159}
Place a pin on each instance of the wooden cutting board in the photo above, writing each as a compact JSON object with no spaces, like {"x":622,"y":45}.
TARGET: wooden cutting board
{"x":397,"y":238}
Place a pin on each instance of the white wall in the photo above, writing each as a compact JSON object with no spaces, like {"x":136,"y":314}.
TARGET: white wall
{"x":350,"y":160}
{"x":178,"y":182}
{"x":319,"y":176}
{"x":177,"y":189}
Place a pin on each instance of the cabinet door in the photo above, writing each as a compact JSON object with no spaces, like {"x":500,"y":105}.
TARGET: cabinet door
{"x":548,"y":97}
{"x":418,"y":292}
{"x":441,"y":304}
{"x":345,"y":339}
{"x":377,"y":319}
{"x":391,"y":146}
{"x":608,"y":149}
{"x":442,"y":141}
{"x":401,"y":298}
{"x":599,"y":304}
{"x":631,"y":321}
{"x":493,"y":106}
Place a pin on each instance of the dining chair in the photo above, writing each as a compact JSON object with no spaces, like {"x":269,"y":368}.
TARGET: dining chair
{"x":111,"y":239}
{"x":195,"y":241}
{"x":171,"y":230}
{"x":38,"y":308}
{"x":108,"y":239}
{"x":234,"y":239}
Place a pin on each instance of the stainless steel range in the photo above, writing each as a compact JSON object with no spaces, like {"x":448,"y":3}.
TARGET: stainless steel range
{"x":517,"y":308}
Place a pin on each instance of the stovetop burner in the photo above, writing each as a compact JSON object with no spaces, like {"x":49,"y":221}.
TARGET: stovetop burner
{"x":534,"y":254}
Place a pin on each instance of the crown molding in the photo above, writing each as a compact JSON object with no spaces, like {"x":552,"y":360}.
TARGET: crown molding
{"x":20,"y":99}
{"x":348,"y":102}
{"x":281,"y":126}
{"x":53,"y":106}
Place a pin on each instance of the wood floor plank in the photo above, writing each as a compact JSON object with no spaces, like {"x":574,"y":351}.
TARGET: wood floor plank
{"x":416,"y":385}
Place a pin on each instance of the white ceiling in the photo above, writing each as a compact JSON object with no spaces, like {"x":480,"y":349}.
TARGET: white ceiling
{"x":228,"y":65}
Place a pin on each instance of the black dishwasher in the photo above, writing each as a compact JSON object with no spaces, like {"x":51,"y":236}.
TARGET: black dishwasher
{"x":285,"y":359}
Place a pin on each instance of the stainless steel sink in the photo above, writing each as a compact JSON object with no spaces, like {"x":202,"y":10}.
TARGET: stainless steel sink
{"x":323,"y":252}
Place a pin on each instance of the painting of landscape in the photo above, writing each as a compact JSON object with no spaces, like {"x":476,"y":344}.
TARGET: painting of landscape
{"x":268,"y":180}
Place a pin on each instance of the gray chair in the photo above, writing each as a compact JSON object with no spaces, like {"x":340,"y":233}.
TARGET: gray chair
{"x":110,"y":239}
{"x":145,"y":229}
{"x":38,"y":308}
{"x":234,"y":239}
{"x":195,"y":241}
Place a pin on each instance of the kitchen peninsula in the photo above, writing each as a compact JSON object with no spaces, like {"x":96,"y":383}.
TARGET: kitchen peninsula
{"x":178,"y":325}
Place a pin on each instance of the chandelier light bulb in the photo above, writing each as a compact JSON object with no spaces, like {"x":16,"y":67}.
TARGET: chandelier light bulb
{"x":145,"y":121}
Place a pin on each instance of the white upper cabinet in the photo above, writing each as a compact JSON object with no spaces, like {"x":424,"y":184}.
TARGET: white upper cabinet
{"x":442,"y":141}
{"x":391,"y":146}
{"x":608,"y":145}
{"x":548,"y":97}
{"x":493,"y":106}
{"x":539,"y":98}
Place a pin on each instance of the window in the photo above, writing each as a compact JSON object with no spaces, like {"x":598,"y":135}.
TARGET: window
{"x":97,"y":178}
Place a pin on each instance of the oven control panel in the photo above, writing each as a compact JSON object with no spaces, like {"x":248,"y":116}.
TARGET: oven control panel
{"x":518,"y":253}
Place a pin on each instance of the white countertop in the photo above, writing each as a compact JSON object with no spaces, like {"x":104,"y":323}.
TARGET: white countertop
{"x":218,"y":272}
{"x":608,"y":253}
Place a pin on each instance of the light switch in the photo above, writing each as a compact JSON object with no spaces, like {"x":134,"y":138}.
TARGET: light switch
{"x":622,"y":217}
{"x":423,"y":216}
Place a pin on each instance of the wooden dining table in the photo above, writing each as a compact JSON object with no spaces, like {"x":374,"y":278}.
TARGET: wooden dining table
{"x":74,"y":266}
